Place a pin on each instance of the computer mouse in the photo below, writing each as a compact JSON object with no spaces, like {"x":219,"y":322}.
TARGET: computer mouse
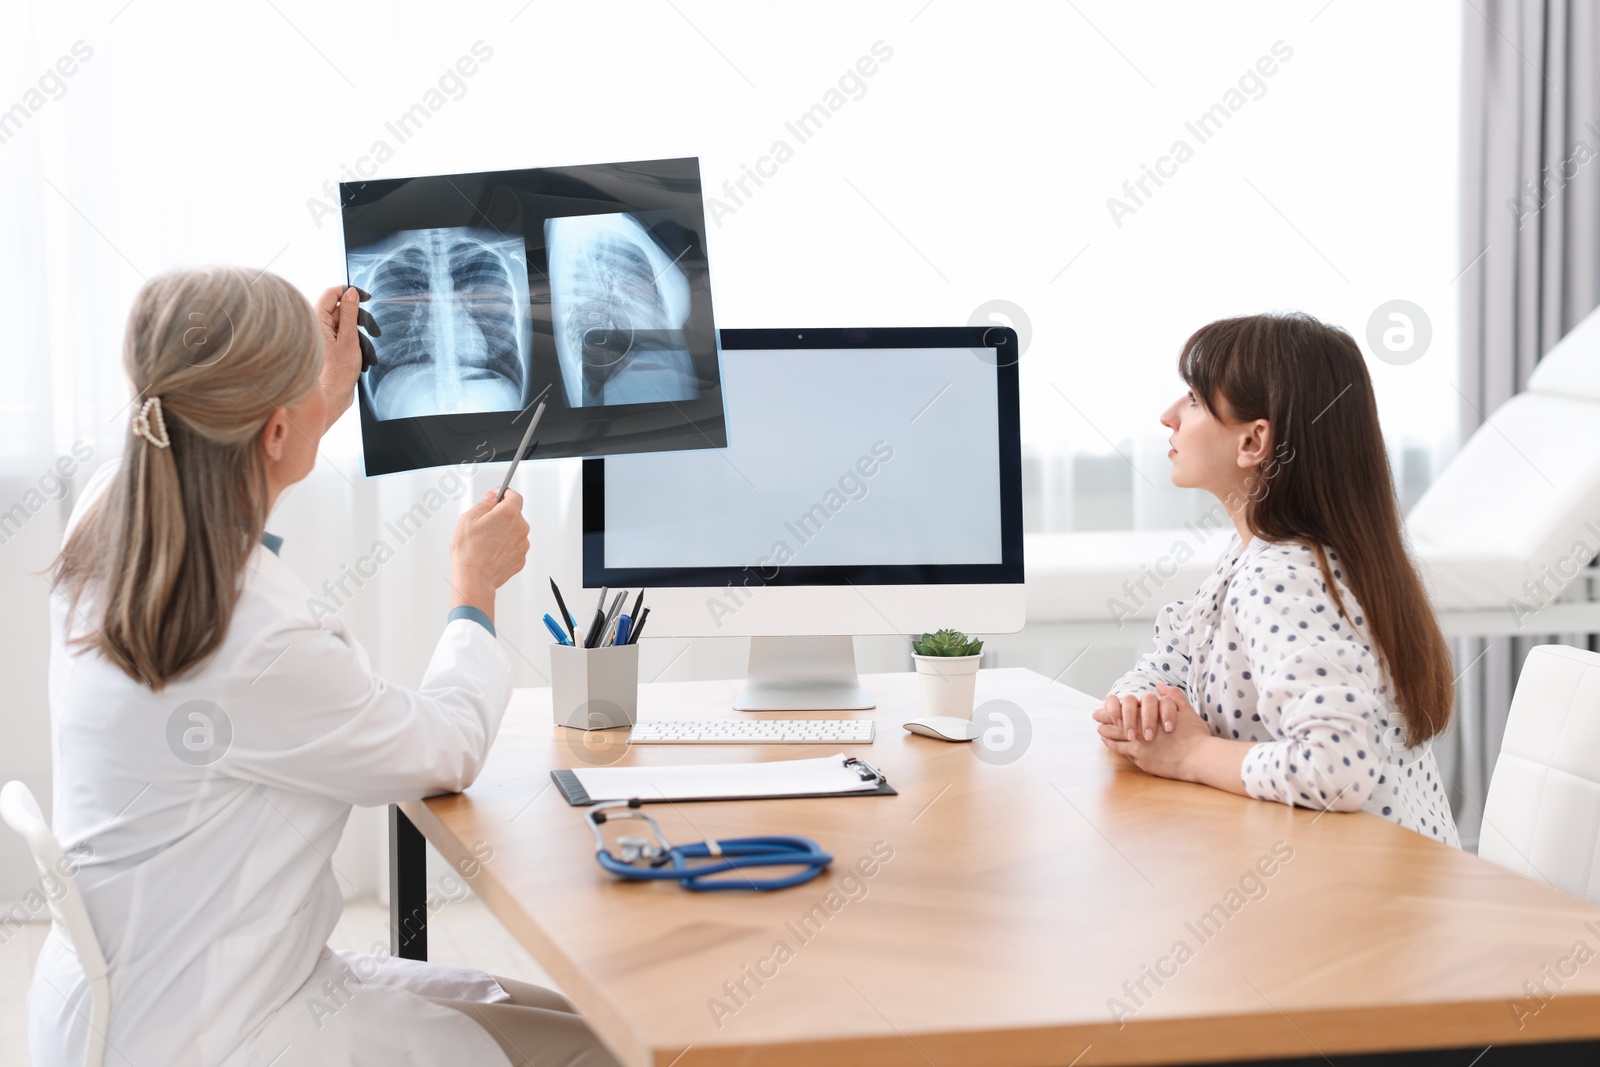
{"x":945,"y":728}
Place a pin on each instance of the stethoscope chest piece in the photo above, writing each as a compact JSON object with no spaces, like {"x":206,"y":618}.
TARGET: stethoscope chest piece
{"x":637,"y":850}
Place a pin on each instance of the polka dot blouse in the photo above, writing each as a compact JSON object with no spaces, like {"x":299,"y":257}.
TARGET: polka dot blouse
{"x":1264,"y":656}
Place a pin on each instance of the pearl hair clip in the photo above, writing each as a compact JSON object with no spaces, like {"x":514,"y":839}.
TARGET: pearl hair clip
{"x":149,"y":424}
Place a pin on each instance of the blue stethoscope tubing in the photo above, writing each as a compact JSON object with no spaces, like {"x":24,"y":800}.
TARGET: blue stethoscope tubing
{"x":743,"y":853}
{"x":667,"y":862}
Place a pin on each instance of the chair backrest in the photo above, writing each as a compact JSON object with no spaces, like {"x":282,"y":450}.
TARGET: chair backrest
{"x":1542,"y":816}
{"x":67,"y":910}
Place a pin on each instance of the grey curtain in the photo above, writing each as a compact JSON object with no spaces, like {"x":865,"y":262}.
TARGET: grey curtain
{"x":1530,"y":246}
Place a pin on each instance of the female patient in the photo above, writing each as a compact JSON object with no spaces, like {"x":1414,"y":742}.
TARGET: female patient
{"x":211,"y":732}
{"x":1308,"y":668}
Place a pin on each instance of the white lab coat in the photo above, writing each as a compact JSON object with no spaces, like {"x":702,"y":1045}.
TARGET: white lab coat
{"x":210,"y":884}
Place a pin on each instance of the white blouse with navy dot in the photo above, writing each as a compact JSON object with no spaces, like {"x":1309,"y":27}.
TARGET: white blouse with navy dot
{"x":1281,"y":668}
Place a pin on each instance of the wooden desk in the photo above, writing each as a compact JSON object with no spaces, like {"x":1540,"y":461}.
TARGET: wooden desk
{"x":1010,"y":910}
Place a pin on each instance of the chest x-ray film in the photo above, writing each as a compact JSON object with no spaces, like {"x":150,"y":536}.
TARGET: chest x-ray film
{"x":488,"y":288}
{"x":453,"y":307}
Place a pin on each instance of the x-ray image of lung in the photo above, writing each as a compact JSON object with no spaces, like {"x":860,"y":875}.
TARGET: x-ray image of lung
{"x":452,"y":304}
{"x":618,"y":305}
{"x":590,"y":280}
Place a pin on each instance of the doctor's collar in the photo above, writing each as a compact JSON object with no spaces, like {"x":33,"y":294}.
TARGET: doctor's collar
{"x":272,"y":541}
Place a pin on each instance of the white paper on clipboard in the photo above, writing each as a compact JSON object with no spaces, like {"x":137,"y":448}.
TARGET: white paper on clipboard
{"x":830,"y":774}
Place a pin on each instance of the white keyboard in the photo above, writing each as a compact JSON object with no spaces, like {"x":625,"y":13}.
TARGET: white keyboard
{"x":755,"y":732}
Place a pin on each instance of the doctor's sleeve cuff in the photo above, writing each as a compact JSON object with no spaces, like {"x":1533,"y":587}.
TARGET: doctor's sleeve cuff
{"x":467,"y":611}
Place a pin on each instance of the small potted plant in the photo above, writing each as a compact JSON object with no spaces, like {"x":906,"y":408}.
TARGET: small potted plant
{"x":948,"y":664}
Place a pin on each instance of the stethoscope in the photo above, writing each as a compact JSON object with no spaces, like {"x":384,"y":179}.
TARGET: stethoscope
{"x":643,"y":860}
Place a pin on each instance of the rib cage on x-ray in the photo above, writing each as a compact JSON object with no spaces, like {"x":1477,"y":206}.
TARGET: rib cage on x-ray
{"x":451,"y":304}
{"x":618,"y":306}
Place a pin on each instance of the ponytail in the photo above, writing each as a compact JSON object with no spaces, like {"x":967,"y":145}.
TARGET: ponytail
{"x":156,"y":565}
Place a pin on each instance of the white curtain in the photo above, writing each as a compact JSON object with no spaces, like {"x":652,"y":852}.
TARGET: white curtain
{"x":1530,"y":228}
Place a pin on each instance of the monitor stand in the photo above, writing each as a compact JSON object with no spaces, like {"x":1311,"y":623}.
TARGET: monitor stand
{"x":803,"y":674}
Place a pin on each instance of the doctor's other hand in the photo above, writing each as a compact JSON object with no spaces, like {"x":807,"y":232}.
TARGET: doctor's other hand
{"x":346,"y":351}
{"x":489,"y":545}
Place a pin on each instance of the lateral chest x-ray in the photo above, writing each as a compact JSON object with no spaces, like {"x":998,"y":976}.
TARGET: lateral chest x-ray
{"x":592,"y":281}
{"x":618,"y":305}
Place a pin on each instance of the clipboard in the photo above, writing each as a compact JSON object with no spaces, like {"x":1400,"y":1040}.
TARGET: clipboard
{"x":830,"y":776}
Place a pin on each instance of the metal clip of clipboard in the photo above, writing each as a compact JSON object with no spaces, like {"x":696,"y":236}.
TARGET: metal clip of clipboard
{"x":868,"y":772}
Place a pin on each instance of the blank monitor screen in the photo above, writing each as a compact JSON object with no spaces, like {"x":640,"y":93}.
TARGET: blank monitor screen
{"x":868,"y":464}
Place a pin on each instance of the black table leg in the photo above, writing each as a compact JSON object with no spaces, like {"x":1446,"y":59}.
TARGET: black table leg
{"x":408,"y":888}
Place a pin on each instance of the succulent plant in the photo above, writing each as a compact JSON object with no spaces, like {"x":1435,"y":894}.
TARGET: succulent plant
{"x":947,"y":643}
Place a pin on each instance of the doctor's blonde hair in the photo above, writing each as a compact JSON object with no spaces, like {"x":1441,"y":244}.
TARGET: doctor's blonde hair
{"x":1333,"y":489}
{"x":162,"y":552}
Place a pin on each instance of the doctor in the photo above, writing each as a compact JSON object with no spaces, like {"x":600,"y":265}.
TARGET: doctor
{"x":209,"y":736}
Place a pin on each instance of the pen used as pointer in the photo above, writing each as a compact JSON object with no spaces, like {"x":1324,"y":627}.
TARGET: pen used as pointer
{"x":523,"y":447}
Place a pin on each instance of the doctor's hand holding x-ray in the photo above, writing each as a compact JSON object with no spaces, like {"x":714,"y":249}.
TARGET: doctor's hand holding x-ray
{"x":212,"y":729}
{"x":490,"y":543}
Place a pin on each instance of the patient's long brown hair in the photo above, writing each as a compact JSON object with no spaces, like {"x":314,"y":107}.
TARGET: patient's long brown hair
{"x":162,"y":551}
{"x":1333,"y":487}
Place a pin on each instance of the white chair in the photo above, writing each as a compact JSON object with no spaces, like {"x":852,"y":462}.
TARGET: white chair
{"x":71,"y":918}
{"x":1542,"y":816}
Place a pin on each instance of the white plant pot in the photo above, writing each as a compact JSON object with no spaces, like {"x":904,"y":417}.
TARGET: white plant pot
{"x":949,"y":683}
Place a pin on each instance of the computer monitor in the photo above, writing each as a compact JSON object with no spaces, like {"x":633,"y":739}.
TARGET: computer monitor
{"x":872,"y":484}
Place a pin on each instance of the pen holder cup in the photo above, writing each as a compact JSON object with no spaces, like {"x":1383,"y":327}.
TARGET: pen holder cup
{"x":594,"y":688}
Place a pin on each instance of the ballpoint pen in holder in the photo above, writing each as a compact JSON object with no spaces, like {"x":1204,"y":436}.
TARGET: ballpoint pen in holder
{"x":566,"y":616}
{"x":611,"y":616}
{"x":638,"y":627}
{"x":555,"y":630}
